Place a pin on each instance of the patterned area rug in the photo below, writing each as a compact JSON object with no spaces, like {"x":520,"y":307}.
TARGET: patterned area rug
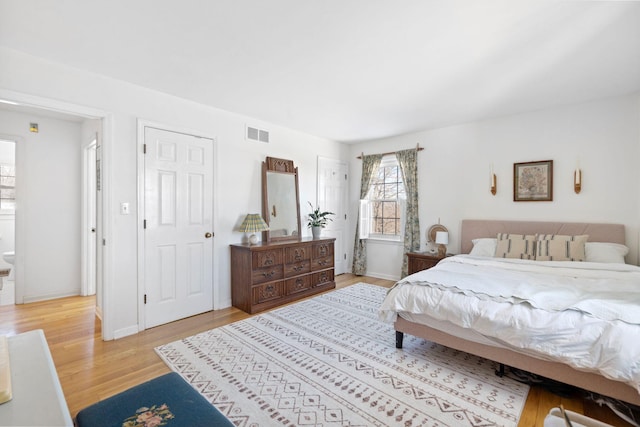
{"x":330,"y":361}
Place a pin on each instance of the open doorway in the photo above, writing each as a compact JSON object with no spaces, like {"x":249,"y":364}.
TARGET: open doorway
{"x":7,"y":220}
{"x":51,"y":206}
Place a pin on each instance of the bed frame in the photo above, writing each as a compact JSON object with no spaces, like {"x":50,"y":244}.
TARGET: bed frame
{"x":472,"y":229}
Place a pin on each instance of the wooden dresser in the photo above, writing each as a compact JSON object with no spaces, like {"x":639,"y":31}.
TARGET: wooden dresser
{"x":267,"y":275}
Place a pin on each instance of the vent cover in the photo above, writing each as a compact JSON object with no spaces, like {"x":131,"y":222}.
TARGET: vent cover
{"x":255,"y":134}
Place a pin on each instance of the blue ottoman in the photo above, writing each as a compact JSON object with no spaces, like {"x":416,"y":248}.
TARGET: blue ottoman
{"x":167,"y":400}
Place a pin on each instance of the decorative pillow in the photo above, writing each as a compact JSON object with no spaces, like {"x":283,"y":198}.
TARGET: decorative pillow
{"x":484,"y":247}
{"x":521,"y":246}
{"x":558,"y":247}
{"x":605,"y":252}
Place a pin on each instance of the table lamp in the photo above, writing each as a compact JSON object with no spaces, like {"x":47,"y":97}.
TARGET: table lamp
{"x":253,"y":223}
{"x":442,"y":239}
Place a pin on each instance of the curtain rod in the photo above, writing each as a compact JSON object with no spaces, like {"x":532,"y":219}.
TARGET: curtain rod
{"x":418,"y":148}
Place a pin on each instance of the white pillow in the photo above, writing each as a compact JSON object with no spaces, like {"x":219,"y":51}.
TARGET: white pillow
{"x":605,"y":252}
{"x":517,"y":246}
{"x":484,"y":247}
{"x":559,"y":247}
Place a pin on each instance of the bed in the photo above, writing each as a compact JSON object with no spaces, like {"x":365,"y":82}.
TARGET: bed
{"x":462,"y":303}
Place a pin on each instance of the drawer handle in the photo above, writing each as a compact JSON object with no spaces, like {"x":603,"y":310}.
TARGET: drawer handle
{"x":323,"y":262}
{"x":298,"y":268}
{"x":269,"y":291}
{"x":298,"y":257}
{"x":299,"y":283}
{"x":268,"y":262}
{"x":269,"y":275}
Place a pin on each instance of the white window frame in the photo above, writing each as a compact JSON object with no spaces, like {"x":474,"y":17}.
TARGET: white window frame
{"x":366,"y":211}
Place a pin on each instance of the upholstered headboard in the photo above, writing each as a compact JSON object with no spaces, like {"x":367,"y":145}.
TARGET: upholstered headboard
{"x":477,"y":228}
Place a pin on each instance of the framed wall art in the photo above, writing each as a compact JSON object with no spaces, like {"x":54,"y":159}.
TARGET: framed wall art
{"x":533,"y":181}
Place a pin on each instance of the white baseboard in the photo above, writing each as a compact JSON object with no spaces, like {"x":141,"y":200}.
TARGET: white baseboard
{"x":125,"y":332}
{"x":46,"y":297}
{"x":223,"y":304}
{"x":382,"y":276}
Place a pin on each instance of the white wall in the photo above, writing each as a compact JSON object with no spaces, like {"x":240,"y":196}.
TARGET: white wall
{"x":237,"y":166}
{"x":455,"y":165}
{"x":48,"y":205}
{"x":454,"y":168}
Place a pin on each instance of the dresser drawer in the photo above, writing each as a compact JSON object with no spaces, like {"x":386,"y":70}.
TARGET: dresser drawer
{"x":418,"y":261}
{"x":297,"y":254}
{"x":321,"y":250}
{"x":299,"y":284}
{"x":266,"y":258}
{"x":297,"y":268}
{"x":267,"y":292}
{"x":322,"y":277}
{"x":421,"y":264}
{"x":267,"y":274}
{"x":320,"y":263}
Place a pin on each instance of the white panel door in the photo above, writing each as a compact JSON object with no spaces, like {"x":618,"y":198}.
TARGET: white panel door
{"x":332,"y":197}
{"x":178,"y":269}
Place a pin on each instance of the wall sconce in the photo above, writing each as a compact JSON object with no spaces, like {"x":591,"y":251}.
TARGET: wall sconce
{"x":577,"y":177}
{"x":494,"y":186}
{"x":442,"y":240}
{"x":33,"y":127}
{"x":253,"y":223}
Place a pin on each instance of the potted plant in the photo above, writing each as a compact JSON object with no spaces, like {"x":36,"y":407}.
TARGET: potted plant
{"x":318,"y":220}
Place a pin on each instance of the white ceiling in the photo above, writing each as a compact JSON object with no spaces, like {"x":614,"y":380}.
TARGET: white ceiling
{"x":348,"y":70}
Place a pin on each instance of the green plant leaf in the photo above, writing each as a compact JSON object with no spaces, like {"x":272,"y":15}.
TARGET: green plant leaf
{"x":318,"y":218}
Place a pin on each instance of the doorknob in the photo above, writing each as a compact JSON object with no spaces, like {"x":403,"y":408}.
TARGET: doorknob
{"x":208,"y":235}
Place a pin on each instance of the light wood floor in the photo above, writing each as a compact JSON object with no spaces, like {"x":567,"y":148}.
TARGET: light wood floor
{"x":91,"y":369}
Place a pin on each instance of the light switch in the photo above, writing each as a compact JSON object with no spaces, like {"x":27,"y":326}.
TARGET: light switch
{"x":124,"y":208}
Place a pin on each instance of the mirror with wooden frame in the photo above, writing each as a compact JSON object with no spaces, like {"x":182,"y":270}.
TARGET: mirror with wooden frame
{"x":280,"y":199}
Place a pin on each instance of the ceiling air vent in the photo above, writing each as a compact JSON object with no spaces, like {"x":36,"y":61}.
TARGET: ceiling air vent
{"x":256,"y":134}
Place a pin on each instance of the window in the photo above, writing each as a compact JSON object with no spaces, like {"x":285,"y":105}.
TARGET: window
{"x":7,"y":187}
{"x":381,"y":212}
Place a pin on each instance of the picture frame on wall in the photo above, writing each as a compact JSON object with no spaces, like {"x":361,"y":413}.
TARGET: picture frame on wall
{"x":533,"y":181}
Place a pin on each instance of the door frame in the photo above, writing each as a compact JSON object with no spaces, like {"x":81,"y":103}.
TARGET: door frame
{"x":142,"y":124}
{"x":107,"y":223}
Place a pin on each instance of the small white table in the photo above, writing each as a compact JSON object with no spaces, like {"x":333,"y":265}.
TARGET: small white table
{"x":37,"y":395}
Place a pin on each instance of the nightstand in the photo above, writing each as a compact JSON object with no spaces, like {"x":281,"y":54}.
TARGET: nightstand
{"x":419,"y":261}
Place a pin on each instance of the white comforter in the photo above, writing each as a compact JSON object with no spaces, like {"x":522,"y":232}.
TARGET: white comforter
{"x":586,"y":315}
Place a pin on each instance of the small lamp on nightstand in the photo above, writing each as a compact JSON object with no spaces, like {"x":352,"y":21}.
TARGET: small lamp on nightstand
{"x":253,"y":223}
{"x":442,"y":239}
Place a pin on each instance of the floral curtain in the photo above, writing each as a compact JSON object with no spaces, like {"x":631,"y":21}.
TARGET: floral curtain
{"x":408,"y":160}
{"x":370,"y":166}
